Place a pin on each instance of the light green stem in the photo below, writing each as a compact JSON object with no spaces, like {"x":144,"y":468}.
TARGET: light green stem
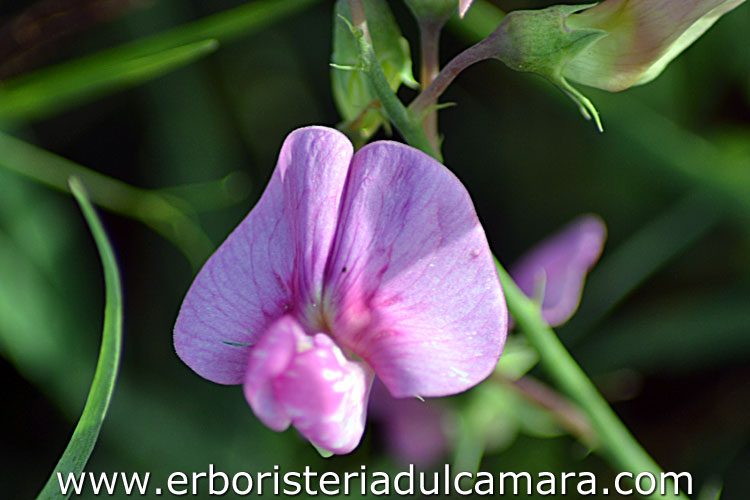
{"x":152,"y":209}
{"x":615,"y":441}
{"x":409,"y":125}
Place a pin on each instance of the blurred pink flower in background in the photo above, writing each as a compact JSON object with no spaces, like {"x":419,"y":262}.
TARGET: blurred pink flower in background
{"x":560,"y":264}
{"x":414,"y":431}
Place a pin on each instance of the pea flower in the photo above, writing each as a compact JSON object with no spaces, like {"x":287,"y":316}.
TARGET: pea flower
{"x":349,"y":266}
{"x":559,"y":264}
{"x":642,"y":37}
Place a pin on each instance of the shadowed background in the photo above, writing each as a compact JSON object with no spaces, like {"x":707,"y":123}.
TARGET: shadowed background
{"x":663,"y":329}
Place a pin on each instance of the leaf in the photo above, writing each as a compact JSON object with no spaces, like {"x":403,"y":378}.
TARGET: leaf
{"x":684,"y":333}
{"x":86,"y":433}
{"x":167,"y":216}
{"x":50,"y":90}
{"x":354,"y":100}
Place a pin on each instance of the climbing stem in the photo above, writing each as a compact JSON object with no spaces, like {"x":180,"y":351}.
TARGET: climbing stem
{"x":429,"y":35}
{"x":615,"y":441}
{"x":429,"y":96}
{"x":154,"y":209}
{"x":407,"y":123}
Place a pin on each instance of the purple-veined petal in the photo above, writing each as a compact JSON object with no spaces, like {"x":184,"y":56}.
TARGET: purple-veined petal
{"x":560,"y":263}
{"x":272,"y":263}
{"x":463,"y":7}
{"x":412,"y":286}
{"x":325,"y":395}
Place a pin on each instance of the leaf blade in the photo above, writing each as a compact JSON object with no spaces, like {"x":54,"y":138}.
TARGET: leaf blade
{"x":47,"y":91}
{"x":87,"y":430}
{"x":181,"y":45}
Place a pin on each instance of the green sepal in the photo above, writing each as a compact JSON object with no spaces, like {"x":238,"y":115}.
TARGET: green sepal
{"x":354,"y":100}
{"x":322,"y":451}
{"x":388,"y":104}
{"x":538,"y":41}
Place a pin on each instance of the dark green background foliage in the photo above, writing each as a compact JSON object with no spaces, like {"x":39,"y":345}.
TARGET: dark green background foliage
{"x":664,"y":327}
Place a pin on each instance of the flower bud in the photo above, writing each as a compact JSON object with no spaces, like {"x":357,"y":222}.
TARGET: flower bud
{"x":642,"y":37}
{"x":612,"y":45}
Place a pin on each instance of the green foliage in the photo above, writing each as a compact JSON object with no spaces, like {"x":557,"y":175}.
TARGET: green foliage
{"x":432,"y":11}
{"x":165,"y":215}
{"x":538,"y":41}
{"x":86,"y":433}
{"x":358,"y":105}
{"x":50,"y":90}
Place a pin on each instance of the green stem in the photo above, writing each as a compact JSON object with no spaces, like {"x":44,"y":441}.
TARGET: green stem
{"x":429,"y":43}
{"x":409,"y":125}
{"x":428,"y":97}
{"x":615,"y":440}
{"x":150,"y":208}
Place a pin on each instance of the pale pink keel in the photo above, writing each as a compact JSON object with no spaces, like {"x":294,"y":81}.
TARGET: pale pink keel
{"x":349,"y":265}
{"x":306,"y":380}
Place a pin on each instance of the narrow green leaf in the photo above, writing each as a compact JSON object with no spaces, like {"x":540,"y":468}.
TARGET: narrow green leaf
{"x":626,"y":268}
{"x":50,"y":90}
{"x":86,"y":433}
{"x":165,"y":215}
{"x":684,"y":333}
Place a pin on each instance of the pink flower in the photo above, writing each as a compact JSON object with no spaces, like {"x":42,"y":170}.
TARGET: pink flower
{"x":560,"y":263}
{"x":350,"y":266}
